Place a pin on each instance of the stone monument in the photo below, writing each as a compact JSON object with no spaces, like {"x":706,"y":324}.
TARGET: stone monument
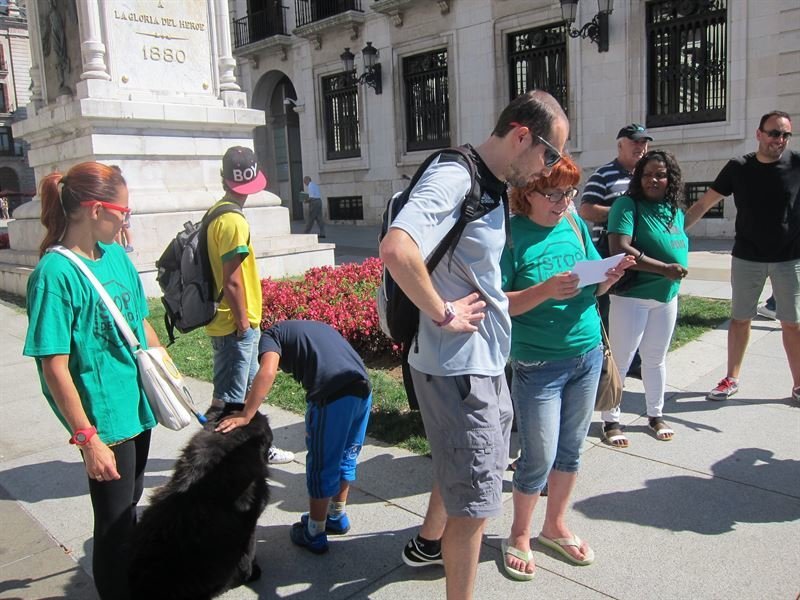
{"x":148,"y":85}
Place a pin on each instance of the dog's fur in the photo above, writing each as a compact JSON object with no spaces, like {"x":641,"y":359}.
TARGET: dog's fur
{"x":197,"y":538}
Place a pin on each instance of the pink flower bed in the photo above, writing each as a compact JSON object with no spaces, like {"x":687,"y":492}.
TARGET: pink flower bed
{"x":4,"y":241}
{"x":343,"y":297}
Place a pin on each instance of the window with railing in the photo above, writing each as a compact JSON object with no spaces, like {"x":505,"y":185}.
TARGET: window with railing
{"x":308,"y":11}
{"x":345,"y":208}
{"x":340,"y":104}
{"x":687,"y":56}
{"x":694,"y":191}
{"x":537,"y":59}
{"x":427,"y":100}
{"x":260,"y":24}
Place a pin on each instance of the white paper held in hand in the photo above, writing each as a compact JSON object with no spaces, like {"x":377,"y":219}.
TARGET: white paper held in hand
{"x":594,"y":271}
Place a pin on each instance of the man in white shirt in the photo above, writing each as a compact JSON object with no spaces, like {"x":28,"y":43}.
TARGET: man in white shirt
{"x":314,"y":212}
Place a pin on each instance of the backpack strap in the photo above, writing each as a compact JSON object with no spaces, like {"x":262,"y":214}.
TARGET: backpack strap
{"x":469,"y":207}
{"x":202,"y":243}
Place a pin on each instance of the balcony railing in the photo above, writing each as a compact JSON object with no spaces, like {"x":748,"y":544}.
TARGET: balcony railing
{"x":308,"y":11}
{"x":260,"y":25}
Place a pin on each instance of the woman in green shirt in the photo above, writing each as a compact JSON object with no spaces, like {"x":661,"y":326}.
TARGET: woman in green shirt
{"x":647,"y":223}
{"x":87,"y":370}
{"x":556,"y":355}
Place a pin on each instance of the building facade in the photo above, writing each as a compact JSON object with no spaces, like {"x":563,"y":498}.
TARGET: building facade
{"x":17,"y":182}
{"x":697,"y":73}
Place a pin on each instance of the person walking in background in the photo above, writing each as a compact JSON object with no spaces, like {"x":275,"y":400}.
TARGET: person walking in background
{"x":4,"y":208}
{"x":77,"y":345}
{"x":766,"y":190}
{"x":236,"y":328}
{"x":464,"y":329}
{"x":556,"y":354}
{"x":648,"y":224}
{"x":605,"y":185}
{"x":314,"y":208}
{"x":338,"y":401}
{"x":125,"y":238}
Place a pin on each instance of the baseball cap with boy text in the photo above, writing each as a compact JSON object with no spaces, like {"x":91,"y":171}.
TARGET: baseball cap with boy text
{"x":240,"y":171}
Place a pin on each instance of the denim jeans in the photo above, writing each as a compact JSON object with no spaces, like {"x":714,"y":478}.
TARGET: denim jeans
{"x":235,"y":364}
{"x":553,"y":404}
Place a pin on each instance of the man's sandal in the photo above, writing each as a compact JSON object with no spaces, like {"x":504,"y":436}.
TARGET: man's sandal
{"x":523,"y":556}
{"x":664,"y":432}
{"x":613,"y":436}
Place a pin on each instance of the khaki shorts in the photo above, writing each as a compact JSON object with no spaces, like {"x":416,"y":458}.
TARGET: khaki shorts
{"x":747,"y":282}
{"x":468,"y":423}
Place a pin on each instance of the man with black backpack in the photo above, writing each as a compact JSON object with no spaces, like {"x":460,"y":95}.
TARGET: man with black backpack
{"x":460,"y":351}
{"x":235,"y":329}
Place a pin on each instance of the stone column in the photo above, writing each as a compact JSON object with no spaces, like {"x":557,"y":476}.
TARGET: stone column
{"x":227,"y":78}
{"x":93,"y":50}
{"x":35,"y":39}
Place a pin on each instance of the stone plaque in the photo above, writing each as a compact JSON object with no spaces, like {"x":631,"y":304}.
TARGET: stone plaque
{"x":160,"y":45}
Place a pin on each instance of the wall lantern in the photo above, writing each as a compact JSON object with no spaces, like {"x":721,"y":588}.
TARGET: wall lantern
{"x":372,"y":68}
{"x":596,"y":30}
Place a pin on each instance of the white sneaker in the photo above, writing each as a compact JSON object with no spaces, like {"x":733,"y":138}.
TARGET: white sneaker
{"x":767,"y":313}
{"x":276,"y":456}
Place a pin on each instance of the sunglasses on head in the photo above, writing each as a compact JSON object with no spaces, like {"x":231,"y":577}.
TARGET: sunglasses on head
{"x":777,"y":134}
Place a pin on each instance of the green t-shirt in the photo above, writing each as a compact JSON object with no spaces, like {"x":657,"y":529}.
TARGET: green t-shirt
{"x":67,"y":316}
{"x":659,"y":236}
{"x":556,"y":329}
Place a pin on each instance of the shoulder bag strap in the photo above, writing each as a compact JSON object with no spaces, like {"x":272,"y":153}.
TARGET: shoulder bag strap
{"x":122,"y":323}
{"x":576,"y":229}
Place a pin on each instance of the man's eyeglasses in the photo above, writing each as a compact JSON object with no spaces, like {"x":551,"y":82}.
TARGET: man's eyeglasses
{"x":777,"y":134}
{"x":126,"y":212}
{"x":556,"y":197}
{"x":551,"y":154}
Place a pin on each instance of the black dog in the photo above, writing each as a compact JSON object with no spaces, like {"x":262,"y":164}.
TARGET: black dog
{"x":197,"y":538}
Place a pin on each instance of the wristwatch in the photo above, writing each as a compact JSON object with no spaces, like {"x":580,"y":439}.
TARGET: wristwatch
{"x":82,"y":436}
{"x":449,"y":315}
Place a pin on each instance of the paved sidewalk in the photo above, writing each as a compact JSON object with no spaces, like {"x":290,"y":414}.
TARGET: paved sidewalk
{"x":713,"y":514}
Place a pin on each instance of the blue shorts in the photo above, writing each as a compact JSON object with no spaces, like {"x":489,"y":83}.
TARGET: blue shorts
{"x":235,"y":364}
{"x":334,"y":435}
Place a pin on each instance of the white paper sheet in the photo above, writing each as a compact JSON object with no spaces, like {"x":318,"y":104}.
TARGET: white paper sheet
{"x":594,"y":271}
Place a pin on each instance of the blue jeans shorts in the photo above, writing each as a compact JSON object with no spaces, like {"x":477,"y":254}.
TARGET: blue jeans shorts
{"x":553,"y":403}
{"x":235,"y":364}
{"x":334,"y":436}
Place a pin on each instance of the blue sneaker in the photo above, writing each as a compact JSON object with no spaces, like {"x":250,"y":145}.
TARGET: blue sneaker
{"x":333,"y":525}
{"x":299,"y":534}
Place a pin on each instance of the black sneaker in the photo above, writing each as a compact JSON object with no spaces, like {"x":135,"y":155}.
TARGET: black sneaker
{"x":413,"y":555}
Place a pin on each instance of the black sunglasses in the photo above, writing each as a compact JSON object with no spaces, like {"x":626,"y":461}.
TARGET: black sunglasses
{"x":551,"y":154}
{"x":777,"y":133}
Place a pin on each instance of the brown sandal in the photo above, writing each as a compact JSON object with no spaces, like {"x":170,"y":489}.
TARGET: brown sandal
{"x":613,"y":436}
{"x":664,"y":432}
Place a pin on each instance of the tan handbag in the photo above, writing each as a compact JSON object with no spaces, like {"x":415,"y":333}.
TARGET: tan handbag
{"x":609,"y":389}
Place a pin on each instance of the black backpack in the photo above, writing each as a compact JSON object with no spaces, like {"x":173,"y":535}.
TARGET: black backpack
{"x":184,"y":274}
{"x":398,"y":315}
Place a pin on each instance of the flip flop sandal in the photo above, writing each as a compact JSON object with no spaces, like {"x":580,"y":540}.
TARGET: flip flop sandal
{"x":517,"y":553}
{"x":560,"y":545}
{"x":663,"y":431}
{"x":615,"y":438}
